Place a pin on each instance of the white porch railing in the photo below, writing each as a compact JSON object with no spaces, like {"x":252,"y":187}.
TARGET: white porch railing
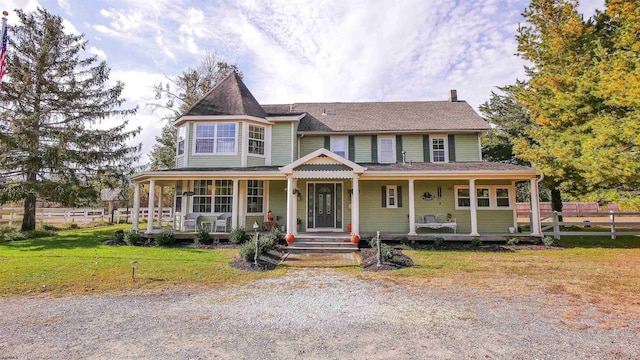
{"x":78,"y":215}
{"x":612,"y":223}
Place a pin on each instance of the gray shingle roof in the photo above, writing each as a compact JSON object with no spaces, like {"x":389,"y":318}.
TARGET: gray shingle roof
{"x":384,"y":116}
{"x":449,"y":167}
{"x":229,"y":97}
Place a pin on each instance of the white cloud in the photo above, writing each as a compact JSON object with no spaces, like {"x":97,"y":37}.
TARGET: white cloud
{"x":64,"y":5}
{"x":69,"y":28}
{"x":95,"y":51}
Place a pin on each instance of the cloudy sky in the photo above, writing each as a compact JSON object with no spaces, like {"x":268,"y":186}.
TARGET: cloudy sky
{"x":305,"y":51}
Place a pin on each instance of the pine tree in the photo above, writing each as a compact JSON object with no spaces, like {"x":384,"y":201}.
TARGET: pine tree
{"x":54,"y":109}
{"x":179,"y":95}
{"x":582,"y":97}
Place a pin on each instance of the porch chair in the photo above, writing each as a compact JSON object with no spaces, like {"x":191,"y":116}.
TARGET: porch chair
{"x":190,"y":221}
{"x":222,"y":222}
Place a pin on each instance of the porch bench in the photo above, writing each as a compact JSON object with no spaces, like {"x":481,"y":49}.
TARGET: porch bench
{"x":437,"y":221}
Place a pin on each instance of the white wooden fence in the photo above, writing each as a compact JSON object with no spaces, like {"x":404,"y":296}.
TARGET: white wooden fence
{"x":78,"y":215}
{"x":601,"y":223}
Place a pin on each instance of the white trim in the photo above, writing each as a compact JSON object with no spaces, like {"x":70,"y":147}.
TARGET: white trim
{"x":492,"y":197}
{"x":297,"y":140}
{"x":473,"y":208}
{"x":210,"y":118}
{"x":412,"y":208}
{"x":245,"y":150}
{"x":184,"y":146}
{"x":445,"y":139}
{"x":355,"y":206}
{"x":288,"y":169}
{"x":393,"y":149}
{"x":234,"y":204}
{"x":265,"y":201}
{"x":152,"y":189}
{"x":215,"y":140}
{"x":242,"y":216}
{"x":480,"y":146}
{"x":286,"y":118}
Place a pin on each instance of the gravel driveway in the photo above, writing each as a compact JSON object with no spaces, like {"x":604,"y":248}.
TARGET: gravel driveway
{"x":306,"y":314}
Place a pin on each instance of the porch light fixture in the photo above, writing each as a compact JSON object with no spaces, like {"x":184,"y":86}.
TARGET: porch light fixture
{"x":350,"y":192}
{"x":188,"y":193}
{"x":298,"y":194}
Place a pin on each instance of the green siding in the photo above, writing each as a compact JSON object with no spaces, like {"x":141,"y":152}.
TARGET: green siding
{"x":494,"y":221}
{"x":309,"y":144}
{"x":295,"y":141}
{"x":363,"y":149}
{"x":180,"y":162}
{"x":278,"y":201}
{"x":255,"y":161}
{"x":466,"y":147}
{"x":374,"y":217}
{"x":443,"y":205}
{"x":250,"y":219}
{"x":412,"y":144}
{"x":214,"y":160}
{"x":281,"y":144}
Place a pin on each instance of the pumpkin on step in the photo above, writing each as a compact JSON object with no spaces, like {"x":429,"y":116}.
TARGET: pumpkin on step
{"x":290,"y":238}
{"x":355,"y":238}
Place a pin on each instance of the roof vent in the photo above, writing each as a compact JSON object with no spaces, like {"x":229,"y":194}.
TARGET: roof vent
{"x":290,"y":107}
{"x":324,"y":112}
{"x":453,"y":95}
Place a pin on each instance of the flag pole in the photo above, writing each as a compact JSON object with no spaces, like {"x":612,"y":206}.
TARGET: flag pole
{"x":3,"y":47}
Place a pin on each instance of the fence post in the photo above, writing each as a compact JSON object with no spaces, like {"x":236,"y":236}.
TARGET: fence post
{"x":379,"y":255}
{"x":556,"y":226}
{"x":86,"y":221}
{"x":11,"y":214}
{"x":612,"y":216}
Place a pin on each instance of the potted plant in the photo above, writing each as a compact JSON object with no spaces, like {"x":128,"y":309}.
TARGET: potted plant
{"x":270,"y":216}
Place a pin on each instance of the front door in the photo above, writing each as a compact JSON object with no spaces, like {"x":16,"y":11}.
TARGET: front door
{"x":325,"y":206}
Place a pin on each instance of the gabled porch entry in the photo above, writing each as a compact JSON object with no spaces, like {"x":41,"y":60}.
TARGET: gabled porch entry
{"x":324,"y":206}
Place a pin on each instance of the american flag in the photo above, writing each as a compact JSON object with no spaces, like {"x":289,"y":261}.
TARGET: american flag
{"x":3,"y":54}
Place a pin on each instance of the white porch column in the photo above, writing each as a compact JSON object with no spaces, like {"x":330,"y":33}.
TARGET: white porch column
{"x":355,"y":205}
{"x":535,"y":209}
{"x":152,"y":196}
{"x":294,"y":207}
{"x":135,"y":216}
{"x":290,"y":222}
{"x":160,"y":193}
{"x":474,"y":207}
{"x":412,"y":208}
{"x":234,"y":205}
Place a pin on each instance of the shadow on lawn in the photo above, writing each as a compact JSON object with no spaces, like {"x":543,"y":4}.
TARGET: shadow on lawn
{"x":622,"y":242}
{"x":63,"y":240}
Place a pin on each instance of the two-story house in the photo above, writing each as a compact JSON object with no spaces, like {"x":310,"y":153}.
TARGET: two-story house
{"x":340,"y":167}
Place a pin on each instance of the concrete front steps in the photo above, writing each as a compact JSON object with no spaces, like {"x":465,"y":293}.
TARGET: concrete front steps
{"x":322,"y":243}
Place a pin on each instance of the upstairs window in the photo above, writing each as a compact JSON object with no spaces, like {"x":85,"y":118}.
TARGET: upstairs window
{"x":386,"y":150}
{"x":439,"y":149}
{"x":182,"y":134}
{"x":339,"y":146}
{"x":215,"y":138}
{"x":256,"y":140}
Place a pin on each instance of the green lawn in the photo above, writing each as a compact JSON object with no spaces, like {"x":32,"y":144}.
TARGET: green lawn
{"x":75,"y":262}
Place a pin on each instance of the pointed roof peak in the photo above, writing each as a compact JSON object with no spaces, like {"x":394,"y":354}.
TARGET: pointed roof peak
{"x":230,"y":96}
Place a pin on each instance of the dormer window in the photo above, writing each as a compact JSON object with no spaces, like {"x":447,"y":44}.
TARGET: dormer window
{"x":215,"y":138}
{"x":439,"y":149}
{"x":256,"y":140}
{"x":386,"y":150}
{"x":339,"y":145}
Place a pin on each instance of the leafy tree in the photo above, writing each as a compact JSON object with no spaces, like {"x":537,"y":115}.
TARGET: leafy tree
{"x":583,"y":105}
{"x":51,"y":108}
{"x":179,"y":95}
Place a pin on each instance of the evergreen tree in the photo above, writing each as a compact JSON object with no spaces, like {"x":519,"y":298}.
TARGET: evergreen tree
{"x":582,"y":97}
{"x":52,"y":105}
{"x":179,"y":95}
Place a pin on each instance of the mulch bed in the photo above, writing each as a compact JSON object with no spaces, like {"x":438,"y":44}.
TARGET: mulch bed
{"x":265,"y":263}
{"x":370,"y":261}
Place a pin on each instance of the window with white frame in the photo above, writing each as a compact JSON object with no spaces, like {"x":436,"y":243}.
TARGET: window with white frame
{"x":182,"y":134}
{"x":463,"y":197}
{"x":178,"y":199}
{"x":223,"y":199}
{"x":386,"y":150}
{"x":202,"y":197}
{"x":256,"y":140}
{"x":392,"y":196}
{"x":503,"y":200}
{"x":255,"y":196}
{"x":487,"y":197}
{"x":439,"y":149}
{"x":483,"y":197}
{"x":339,"y":145}
{"x":215,"y":138}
